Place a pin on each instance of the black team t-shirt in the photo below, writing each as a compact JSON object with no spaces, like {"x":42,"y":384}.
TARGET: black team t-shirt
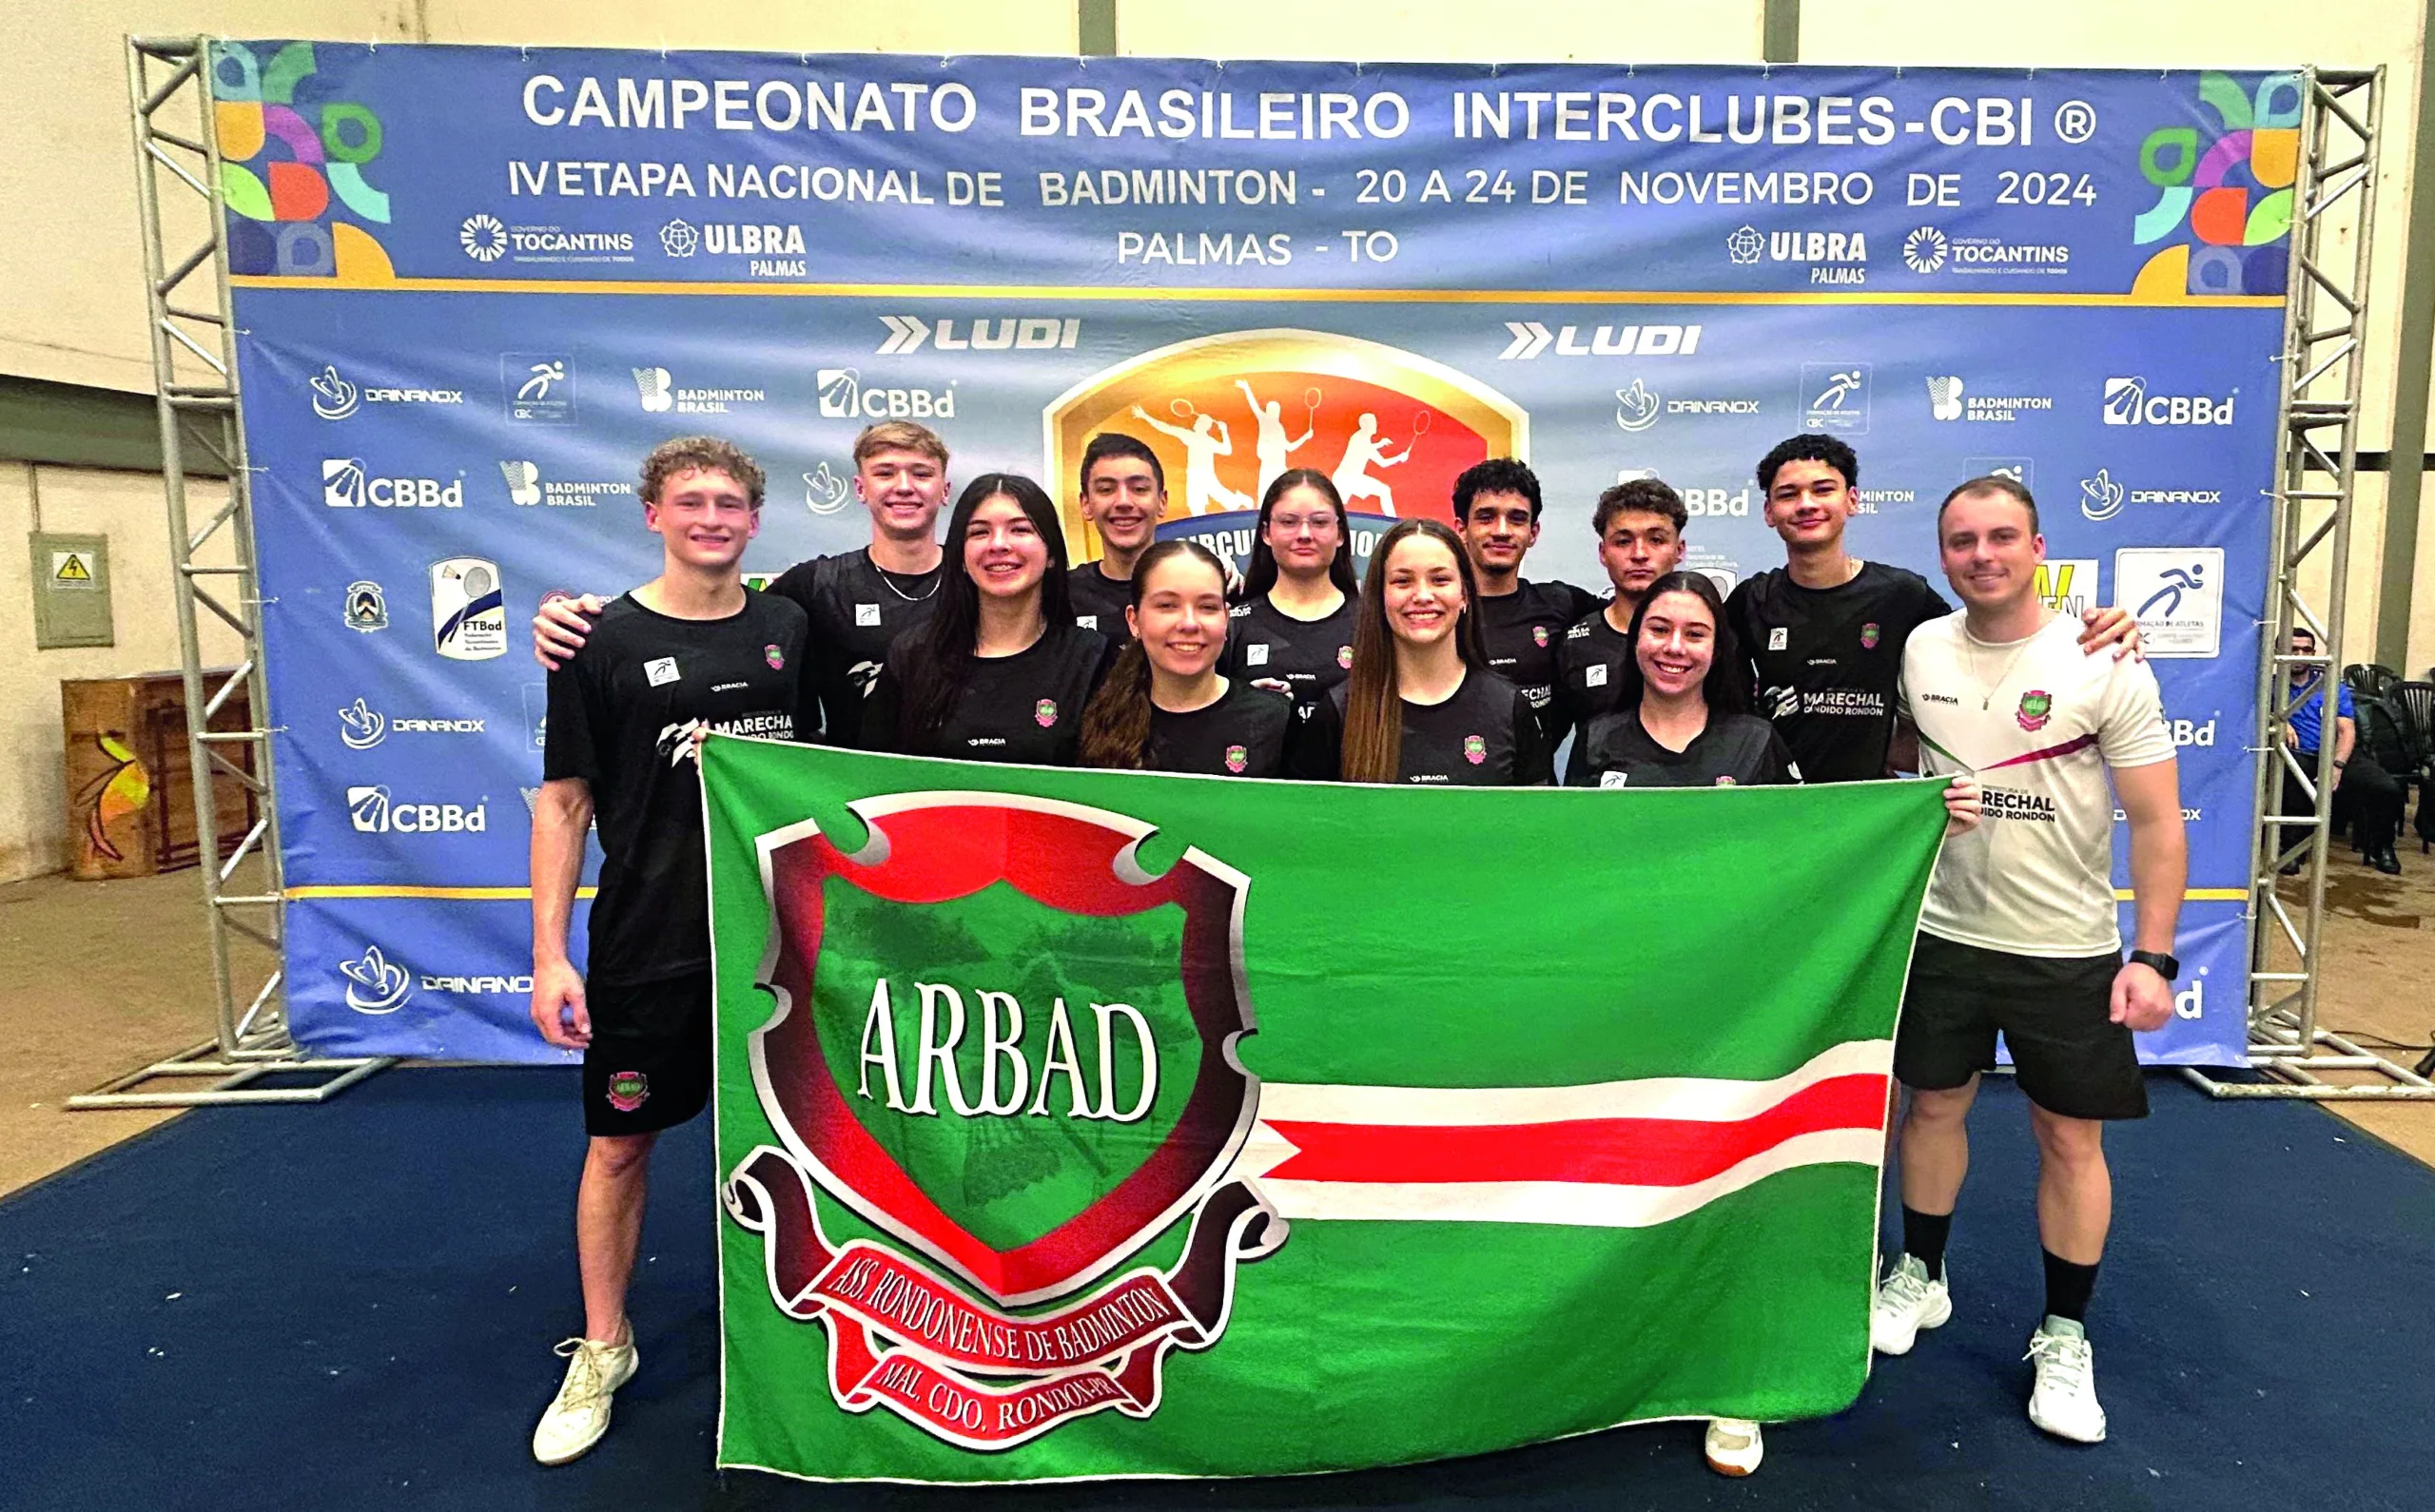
{"x":1242,"y":734}
{"x":621,"y":716}
{"x":1099,"y":602}
{"x":1309,"y":655}
{"x":1487,"y":735}
{"x":1523,"y":632}
{"x":1589,"y":676}
{"x":1827,"y":661}
{"x":1736,"y":750}
{"x":1026,"y":709}
{"x":856,"y":609}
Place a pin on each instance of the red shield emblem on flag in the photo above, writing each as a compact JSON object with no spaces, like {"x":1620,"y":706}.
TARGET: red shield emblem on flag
{"x":848,"y":1113}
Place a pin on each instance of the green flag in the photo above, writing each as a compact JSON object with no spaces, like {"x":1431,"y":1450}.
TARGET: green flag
{"x":1080,"y":1123}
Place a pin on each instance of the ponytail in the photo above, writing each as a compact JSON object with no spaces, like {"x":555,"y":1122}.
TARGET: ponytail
{"x":1116,"y":724}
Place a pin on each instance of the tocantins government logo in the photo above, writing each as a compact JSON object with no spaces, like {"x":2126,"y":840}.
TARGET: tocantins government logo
{"x":1002,"y":1072}
{"x":482,"y":238}
{"x":1227,"y":414}
{"x":2037,"y":707}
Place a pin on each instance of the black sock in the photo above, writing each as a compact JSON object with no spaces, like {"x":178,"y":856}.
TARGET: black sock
{"x":1923,"y":1234}
{"x":2068,"y":1287}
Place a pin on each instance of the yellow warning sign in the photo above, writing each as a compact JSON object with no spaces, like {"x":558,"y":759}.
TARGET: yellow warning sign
{"x":74,"y":568}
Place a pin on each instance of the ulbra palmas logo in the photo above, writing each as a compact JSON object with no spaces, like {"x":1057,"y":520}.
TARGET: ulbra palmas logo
{"x":1227,"y":414}
{"x":1009,"y":1050}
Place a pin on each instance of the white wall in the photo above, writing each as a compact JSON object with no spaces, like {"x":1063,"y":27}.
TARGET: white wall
{"x":126,"y":507}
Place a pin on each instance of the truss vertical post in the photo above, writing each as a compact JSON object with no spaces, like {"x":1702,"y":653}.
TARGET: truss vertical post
{"x":2324,"y":361}
{"x":193,"y":331}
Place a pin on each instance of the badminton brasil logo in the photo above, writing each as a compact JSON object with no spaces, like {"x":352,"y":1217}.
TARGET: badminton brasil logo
{"x":1227,"y":414}
{"x":1007,"y":1052}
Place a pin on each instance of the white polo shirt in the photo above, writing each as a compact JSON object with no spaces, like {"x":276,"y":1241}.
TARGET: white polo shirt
{"x":2037,"y":722}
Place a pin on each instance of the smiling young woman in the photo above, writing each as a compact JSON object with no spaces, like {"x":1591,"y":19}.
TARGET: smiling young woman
{"x":1000,"y":672}
{"x":1164,"y":708}
{"x":1683,"y":712}
{"x":1420,"y":705}
{"x":1293,"y":630}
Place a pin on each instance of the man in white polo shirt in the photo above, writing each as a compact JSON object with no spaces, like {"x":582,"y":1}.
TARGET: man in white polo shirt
{"x":2019,"y":933}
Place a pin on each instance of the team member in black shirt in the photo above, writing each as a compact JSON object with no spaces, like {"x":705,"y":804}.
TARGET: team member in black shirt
{"x":1522,"y":624}
{"x":1421,"y":705}
{"x":1124,"y":494}
{"x":1684,"y":718}
{"x":691,"y":650}
{"x":858,"y":601}
{"x":1163,"y":706}
{"x":1000,"y":672}
{"x":1825,"y":631}
{"x":1293,"y":631}
{"x":1640,"y":540}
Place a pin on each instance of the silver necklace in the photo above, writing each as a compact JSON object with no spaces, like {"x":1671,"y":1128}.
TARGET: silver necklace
{"x":1987,"y":697}
{"x":910,"y":598}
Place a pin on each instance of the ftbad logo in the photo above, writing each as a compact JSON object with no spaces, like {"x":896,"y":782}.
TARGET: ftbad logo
{"x":345,"y":485}
{"x":2127,"y":401}
{"x":374,"y":811}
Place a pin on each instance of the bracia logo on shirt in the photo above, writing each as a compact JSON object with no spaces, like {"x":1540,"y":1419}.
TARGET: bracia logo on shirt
{"x":1045,"y":712}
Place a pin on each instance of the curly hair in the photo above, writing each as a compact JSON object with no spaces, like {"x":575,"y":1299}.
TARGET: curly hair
{"x":700,"y":453}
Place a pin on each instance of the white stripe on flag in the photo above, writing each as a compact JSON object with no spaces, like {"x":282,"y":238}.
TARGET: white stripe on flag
{"x":1573,"y":1203}
{"x":1706,"y":1099}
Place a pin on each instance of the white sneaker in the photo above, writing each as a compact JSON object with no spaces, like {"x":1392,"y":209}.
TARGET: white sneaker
{"x":579,"y":1414}
{"x":2064,"y":1401}
{"x":1907,"y":1300}
{"x":1734,"y":1446}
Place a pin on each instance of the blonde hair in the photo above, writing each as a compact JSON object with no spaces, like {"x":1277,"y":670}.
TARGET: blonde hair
{"x":899,"y":435}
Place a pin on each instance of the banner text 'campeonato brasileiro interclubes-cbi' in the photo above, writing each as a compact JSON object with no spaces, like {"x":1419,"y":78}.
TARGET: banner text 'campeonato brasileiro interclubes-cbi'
{"x":476,"y":284}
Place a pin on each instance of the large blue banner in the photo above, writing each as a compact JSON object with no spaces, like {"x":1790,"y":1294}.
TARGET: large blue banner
{"x":476,"y":284}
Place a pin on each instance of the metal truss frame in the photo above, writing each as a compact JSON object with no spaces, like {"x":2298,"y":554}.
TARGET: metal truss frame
{"x":2325,"y":326}
{"x":194,"y":370}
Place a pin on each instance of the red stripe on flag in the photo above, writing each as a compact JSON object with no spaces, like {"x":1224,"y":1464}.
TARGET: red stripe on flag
{"x":1608,"y":1152}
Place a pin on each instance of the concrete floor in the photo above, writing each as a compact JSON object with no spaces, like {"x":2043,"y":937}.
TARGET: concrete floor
{"x":97,"y":979}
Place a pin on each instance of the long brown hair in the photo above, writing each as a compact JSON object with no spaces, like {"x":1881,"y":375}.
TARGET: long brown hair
{"x":1373,"y":713}
{"x":943,"y":664}
{"x":1261,"y":575}
{"x":1116,"y":724}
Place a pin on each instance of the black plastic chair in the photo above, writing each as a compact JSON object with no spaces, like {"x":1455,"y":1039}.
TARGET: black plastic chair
{"x":2368,"y":680}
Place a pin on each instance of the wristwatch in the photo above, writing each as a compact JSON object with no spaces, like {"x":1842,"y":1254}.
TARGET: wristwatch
{"x":2158,"y":961}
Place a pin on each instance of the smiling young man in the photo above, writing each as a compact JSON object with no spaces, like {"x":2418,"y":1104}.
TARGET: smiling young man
{"x":1124,"y":495}
{"x":1497,"y":507}
{"x":692,"y":649}
{"x":2018,"y":934}
{"x":1640,"y":539}
{"x":857,"y":601}
{"x":1825,"y":632}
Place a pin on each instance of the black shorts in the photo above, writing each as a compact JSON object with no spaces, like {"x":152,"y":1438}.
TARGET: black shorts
{"x":648,"y":1064}
{"x":2071,"y":1058}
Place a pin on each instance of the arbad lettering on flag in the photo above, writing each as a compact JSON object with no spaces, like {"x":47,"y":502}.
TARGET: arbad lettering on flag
{"x":1084,"y":1124}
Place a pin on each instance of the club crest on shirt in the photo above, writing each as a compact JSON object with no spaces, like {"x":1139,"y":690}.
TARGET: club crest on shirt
{"x":776,"y":658}
{"x":1726,"y":782}
{"x":627,"y":1089}
{"x":1344,"y":656}
{"x":2037,"y":707}
{"x":1237,"y":758}
{"x":1539,"y":635}
{"x":1474,"y":750}
{"x":1868,"y":637}
{"x":1045,"y":712}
